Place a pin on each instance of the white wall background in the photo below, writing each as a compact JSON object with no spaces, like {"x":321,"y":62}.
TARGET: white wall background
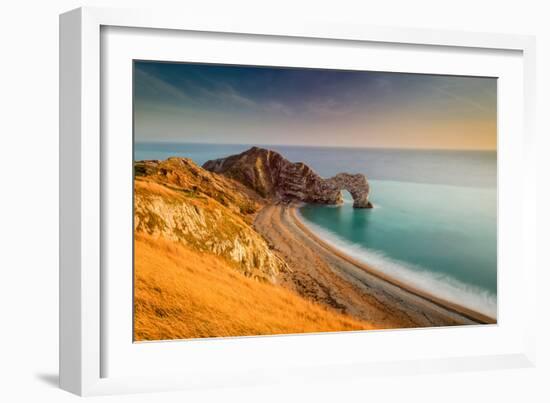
{"x":29,"y":201}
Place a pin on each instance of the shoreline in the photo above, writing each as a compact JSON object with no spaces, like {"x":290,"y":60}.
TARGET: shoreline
{"x":327,"y":275}
{"x":469,"y":313}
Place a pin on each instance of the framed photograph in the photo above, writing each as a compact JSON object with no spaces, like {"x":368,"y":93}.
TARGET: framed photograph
{"x":251,"y":202}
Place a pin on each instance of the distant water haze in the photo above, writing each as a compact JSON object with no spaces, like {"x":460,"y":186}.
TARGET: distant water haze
{"x":449,"y":167}
{"x":434,"y":221}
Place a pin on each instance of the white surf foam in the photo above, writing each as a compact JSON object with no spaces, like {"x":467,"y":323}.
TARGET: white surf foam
{"x":440,"y":285}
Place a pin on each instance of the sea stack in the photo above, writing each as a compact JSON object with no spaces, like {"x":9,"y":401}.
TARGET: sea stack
{"x":274,"y":177}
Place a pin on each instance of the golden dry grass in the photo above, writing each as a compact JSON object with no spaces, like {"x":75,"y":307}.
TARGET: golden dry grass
{"x":182,"y":293}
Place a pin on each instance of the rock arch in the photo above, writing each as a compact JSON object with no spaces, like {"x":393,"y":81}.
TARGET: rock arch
{"x":274,"y":177}
{"x":356,"y":185}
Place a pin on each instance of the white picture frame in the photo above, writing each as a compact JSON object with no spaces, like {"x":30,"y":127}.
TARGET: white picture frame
{"x":87,"y":318}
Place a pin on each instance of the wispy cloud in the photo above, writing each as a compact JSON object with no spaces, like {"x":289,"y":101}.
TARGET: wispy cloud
{"x":461,"y":98}
{"x":278,"y":107}
{"x":227,"y":93}
{"x":207,"y":94}
{"x":323,"y":107}
{"x":153,"y":86}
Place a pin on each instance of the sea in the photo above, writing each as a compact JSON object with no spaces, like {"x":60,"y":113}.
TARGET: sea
{"x":434,"y":221}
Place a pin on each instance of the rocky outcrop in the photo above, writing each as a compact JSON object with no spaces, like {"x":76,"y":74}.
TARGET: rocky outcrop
{"x":274,"y":177}
{"x":179,"y":201}
{"x":356,"y":184}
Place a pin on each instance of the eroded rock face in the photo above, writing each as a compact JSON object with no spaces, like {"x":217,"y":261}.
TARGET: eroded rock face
{"x":274,"y":177}
{"x":356,"y":184}
{"x":181,"y":202}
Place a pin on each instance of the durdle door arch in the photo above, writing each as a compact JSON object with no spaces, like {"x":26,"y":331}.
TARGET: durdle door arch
{"x":356,"y":185}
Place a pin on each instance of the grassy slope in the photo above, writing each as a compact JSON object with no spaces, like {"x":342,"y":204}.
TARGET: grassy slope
{"x":184,"y":293}
{"x":203,"y":224}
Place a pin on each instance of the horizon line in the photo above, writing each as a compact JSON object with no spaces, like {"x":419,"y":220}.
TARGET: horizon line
{"x":317,"y":146}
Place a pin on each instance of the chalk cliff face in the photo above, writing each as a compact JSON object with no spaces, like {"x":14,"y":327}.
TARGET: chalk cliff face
{"x":274,"y":177}
{"x":179,"y":201}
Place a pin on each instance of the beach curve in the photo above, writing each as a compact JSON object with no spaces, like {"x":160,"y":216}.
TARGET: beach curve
{"x":327,"y":275}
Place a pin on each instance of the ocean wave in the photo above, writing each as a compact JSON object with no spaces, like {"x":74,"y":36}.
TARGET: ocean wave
{"x":437,"y":284}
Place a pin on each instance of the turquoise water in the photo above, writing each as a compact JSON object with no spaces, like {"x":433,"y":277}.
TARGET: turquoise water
{"x":434,"y":221}
{"x":441,"y":238}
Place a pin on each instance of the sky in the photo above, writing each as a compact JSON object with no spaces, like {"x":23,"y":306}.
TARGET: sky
{"x":200,"y":103}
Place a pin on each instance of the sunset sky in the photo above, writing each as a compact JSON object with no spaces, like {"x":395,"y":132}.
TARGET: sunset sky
{"x":264,"y":105}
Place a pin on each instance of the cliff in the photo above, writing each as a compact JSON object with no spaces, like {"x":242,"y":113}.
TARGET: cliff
{"x":178,"y":201}
{"x":274,"y":177}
